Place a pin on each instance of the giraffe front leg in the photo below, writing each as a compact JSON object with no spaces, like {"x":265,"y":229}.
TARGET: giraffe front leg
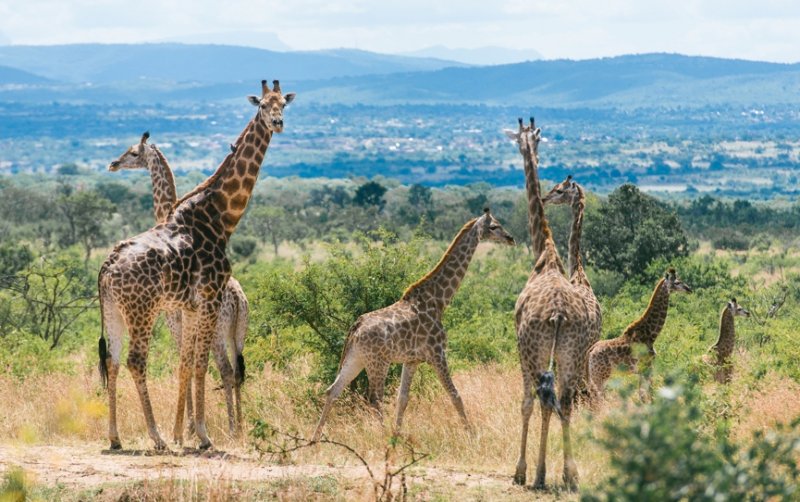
{"x":443,"y":372}
{"x":226,"y":373}
{"x":187,"y":339}
{"x":567,"y":388}
{"x":402,"y":395}
{"x":541,"y":465}
{"x":200,"y":369}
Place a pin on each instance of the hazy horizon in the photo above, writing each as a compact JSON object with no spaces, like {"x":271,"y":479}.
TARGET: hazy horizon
{"x":577,"y":29}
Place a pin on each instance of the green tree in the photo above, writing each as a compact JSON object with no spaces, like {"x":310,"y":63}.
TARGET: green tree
{"x":84,"y":212}
{"x":370,"y":194}
{"x":630,"y":230}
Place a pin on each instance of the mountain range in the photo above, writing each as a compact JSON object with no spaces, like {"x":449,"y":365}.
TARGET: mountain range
{"x":168,"y":72}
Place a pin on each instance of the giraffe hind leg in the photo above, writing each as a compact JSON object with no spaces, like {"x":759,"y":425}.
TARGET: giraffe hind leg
{"x":115,"y":327}
{"x":351,"y":367}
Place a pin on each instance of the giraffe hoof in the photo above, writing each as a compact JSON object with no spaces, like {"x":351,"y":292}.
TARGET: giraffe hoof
{"x":519,"y":480}
{"x":115,"y":445}
{"x":204,"y":445}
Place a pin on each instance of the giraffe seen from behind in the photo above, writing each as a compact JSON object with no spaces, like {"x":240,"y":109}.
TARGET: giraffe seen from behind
{"x":723,"y":348}
{"x":410,"y":331}
{"x":181,"y":264}
{"x":634,"y":349}
{"x":555,"y":324}
{"x":232,"y":322}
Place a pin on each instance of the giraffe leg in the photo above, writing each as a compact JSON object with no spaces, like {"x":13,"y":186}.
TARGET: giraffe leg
{"x":187,"y":339}
{"x":174,"y":320}
{"x":226,"y":373}
{"x":350,"y":369}
{"x":541,"y":467}
{"x":402,"y":395}
{"x":527,"y":410}
{"x":376,"y":377}
{"x":137,"y":364}
{"x":567,"y":388}
{"x":115,"y":328}
{"x":443,"y":372}
{"x":201,"y":350}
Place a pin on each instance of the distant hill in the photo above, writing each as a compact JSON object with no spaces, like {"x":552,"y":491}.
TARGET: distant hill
{"x":10,"y":75}
{"x":636,"y":80}
{"x":481,"y":56}
{"x":165,"y":73}
{"x":208,"y":64}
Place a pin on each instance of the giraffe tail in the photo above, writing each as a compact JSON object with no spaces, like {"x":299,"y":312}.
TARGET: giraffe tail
{"x":102,"y":347}
{"x":242,"y":314}
{"x":546,"y":389}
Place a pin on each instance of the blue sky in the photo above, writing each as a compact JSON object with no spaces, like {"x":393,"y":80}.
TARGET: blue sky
{"x":764,"y":30}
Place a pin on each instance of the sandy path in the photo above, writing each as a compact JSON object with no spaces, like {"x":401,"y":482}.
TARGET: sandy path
{"x":86,"y":466}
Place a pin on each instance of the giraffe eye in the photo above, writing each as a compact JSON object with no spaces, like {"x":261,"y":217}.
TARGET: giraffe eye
{"x":134,"y":154}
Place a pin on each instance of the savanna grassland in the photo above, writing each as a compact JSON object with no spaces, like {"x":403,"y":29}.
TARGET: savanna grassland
{"x":313,"y":255}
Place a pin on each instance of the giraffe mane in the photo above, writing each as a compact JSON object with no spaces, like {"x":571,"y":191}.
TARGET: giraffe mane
{"x":635,"y":323}
{"x":466,"y":228}
{"x":220,"y":170}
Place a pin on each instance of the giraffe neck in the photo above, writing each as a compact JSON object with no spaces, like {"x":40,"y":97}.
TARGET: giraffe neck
{"x":727,"y":330}
{"x":576,"y":271}
{"x":439,"y":285}
{"x":544,"y":248}
{"x":223,"y":197}
{"x":647,"y":328}
{"x":164,"y":194}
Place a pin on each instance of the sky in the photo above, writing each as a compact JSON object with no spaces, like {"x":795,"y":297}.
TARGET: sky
{"x":767,"y":30}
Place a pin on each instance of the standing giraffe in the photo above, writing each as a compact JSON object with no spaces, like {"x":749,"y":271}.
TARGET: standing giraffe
{"x":555,"y":323}
{"x":410,"y":331}
{"x":726,"y":341}
{"x":232,"y":322}
{"x":606,"y":355}
{"x":569,"y":192}
{"x":181,"y":264}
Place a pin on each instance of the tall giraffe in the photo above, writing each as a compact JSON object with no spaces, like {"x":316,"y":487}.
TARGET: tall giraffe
{"x":232,"y":322}
{"x":555,"y":323}
{"x":570,"y":192}
{"x":726,"y":341}
{"x":606,"y":355}
{"x":181,"y":264}
{"x":410,"y":331}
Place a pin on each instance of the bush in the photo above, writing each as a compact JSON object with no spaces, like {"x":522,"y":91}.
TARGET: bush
{"x":664,"y":451}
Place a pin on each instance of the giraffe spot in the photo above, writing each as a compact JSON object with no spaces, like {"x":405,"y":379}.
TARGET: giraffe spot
{"x":241,"y":167}
{"x":254,"y":168}
{"x":248,"y":151}
{"x":248,"y":183}
{"x":229,"y":220}
{"x":231,"y":186}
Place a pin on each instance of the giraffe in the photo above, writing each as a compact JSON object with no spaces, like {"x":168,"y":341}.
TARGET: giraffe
{"x":410,"y":331}
{"x":570,"y":192}
{"x":181,"y":264}
{"x":606,"y":355}
{"x":232,"y":322}
{"x":555,"y":324}
{"x":726,"y":341}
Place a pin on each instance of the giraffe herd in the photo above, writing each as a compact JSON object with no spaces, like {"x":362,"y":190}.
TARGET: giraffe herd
{"x":180,"y":267}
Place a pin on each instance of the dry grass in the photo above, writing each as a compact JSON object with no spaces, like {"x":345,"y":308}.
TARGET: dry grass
{"x":72,"y":410}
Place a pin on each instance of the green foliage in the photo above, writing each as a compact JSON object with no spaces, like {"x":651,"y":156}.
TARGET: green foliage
{"x":324,"y":299}
{"x":666,"y":450}
{"x":14,"y":257}
{"x":243,"y":246}
{"x":370,"y":194}
{"x":631,"y":230}
{"x":15,"y":485}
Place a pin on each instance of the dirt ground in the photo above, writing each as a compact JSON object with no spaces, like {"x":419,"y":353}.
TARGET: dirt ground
{"x":86,"y":470}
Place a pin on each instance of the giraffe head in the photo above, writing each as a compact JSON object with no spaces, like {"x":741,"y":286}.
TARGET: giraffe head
{"x":527,"y":136}
{"x":134,"y":157}
{"x":674,"y":284}
{"x":489,"y":229}
{"x":736,"y":309}
{"x":566,"y":192}
{"x":271,"y":104}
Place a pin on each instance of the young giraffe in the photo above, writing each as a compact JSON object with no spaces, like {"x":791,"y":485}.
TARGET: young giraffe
{"x":232,"y":322}
{"x":410,"y":331}
{"x":181,"y":264}
{"x":726,"y":341}
{"x":555,"y":323}
{"x":606,"y":355}
{"x":569,"y":192}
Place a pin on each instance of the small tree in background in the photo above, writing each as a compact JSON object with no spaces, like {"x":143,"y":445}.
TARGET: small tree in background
{"x":370,"y":194}
{"x":631,"y":230}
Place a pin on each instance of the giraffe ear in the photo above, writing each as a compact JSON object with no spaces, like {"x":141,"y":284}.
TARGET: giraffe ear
{"x":254,"y":100}
{"x":289,"y":97}
{"x":511,"y":134}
